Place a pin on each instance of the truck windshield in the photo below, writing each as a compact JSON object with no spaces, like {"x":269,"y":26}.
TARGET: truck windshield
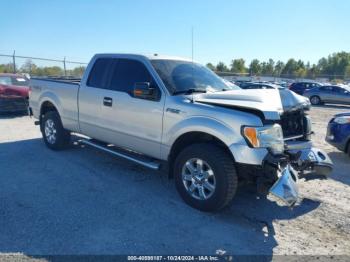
{"x":181,"y":76}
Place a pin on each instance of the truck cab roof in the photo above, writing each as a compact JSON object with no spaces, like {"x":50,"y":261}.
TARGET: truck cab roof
{"x":147,"y":56}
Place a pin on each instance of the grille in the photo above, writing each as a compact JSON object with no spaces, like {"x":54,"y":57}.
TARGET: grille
{"x":292,"y":123}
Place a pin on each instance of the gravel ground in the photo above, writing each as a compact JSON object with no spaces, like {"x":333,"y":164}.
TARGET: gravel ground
{"x":81,"y":201}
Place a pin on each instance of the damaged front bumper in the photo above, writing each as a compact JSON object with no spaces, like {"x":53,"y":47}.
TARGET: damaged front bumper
{"x":299,"y":160}
{"x":306,"y":159}
{"x":285,"y":188}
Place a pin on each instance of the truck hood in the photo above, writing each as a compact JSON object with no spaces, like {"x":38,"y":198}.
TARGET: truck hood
{"x":270,"y":102}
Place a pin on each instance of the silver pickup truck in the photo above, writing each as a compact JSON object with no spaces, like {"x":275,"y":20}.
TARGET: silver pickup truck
{"x":166,"y":111}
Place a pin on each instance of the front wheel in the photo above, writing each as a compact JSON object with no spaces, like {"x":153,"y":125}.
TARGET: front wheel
{"x":55,"y":136}
{"x":315,"y":100}
{"x":205,"y":177}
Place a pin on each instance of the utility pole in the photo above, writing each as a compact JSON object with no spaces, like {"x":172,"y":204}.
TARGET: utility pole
{"x":64,"y":67}
{"x":14,"y":61}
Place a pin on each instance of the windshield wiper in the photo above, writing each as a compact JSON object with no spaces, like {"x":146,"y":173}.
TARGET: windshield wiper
{"x":189,"y":91}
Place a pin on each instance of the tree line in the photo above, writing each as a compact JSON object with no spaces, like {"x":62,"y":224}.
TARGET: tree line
{"x":30,"y":68}
{"x":335,"y":66}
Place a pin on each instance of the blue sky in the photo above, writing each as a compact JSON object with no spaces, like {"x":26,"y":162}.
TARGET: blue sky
{"x":223,"y":30}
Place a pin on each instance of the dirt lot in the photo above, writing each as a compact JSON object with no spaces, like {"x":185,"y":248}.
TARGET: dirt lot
{"x":81,"y":201}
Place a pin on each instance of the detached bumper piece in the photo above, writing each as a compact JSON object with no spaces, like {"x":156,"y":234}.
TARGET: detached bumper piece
{"x":313,"y":161}
{"x":285,"y":187}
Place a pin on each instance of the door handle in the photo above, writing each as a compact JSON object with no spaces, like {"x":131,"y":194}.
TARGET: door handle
{"x":107,"y":101}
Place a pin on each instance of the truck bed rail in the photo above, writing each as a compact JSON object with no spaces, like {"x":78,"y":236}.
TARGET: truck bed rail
{"x":69,"y":80}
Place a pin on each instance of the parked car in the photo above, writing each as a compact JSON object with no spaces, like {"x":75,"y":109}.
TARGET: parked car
{"x":13,"y":93}
{"x":158,"y":110}
{"x":260,"y":85}
{"x":301,"y":87}
{"x":329,"y":94}
{"x":240,"y":82}
{"x":338,"y":132}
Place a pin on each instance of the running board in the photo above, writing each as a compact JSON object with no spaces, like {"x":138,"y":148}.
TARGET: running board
{"x":128,"y":156}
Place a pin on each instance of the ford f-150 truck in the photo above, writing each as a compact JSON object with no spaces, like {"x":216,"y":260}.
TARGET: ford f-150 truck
{"x":158,"y":110}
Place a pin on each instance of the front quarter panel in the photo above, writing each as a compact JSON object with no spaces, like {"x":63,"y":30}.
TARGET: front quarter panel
{"x":222,"y":123}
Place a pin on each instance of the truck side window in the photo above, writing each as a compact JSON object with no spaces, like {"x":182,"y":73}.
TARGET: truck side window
{"x":128,"y":72}
{"x":100,"y":73}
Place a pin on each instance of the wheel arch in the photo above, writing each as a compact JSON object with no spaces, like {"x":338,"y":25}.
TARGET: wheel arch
{"x":47,"y":105}
{"x":190,"y":138}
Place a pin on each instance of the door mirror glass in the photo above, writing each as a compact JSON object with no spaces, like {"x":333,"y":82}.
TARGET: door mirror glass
{"x":144,"y":90}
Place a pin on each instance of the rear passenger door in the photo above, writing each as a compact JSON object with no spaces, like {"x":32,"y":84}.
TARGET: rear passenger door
{"x":91,"y":96}
{"x":326,"y":93}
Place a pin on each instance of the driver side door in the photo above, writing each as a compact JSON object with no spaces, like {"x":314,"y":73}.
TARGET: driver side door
{"x":132,"y":122}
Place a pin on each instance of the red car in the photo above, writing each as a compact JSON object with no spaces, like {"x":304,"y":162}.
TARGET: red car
{"x":14,"y":92}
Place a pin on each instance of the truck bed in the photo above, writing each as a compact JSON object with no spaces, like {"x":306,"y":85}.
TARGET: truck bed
{"x":62,"y":93}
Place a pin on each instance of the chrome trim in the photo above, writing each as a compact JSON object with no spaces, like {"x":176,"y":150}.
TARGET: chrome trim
{"x":292,"y":137}
{"x":149,"y":164}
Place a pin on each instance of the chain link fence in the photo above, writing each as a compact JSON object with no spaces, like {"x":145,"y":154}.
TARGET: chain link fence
{"x":37,"y":66}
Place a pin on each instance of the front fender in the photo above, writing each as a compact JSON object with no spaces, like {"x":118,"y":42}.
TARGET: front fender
{"x":231,"y":137}
{"x":206,"y":125}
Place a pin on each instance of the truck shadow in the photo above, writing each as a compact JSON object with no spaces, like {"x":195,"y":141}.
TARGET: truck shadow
{"x":260,"y":213}
{"x":81,"y":201}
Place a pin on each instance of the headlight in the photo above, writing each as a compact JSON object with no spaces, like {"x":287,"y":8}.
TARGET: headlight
{"x":267,"y":136}
{"x":342,"y":120}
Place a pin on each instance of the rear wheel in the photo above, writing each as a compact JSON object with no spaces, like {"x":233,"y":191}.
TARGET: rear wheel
{"x":55,"y":136}
{"x":205,"y":177}
{"x":315,"y":100}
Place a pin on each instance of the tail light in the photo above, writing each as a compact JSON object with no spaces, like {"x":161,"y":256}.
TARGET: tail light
{"x":2,"y":90}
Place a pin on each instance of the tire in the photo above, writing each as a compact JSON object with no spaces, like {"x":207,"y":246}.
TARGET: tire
{"x":54,"y":135}
{"x":218,"y":171}
{"x":315,"y":100}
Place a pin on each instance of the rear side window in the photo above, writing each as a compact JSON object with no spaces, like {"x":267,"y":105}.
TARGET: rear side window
{"x":338,"y":89}
{"x":297,"y":85}
{"x":128,"y":72}
{"x":99,"y":73}
{"x":326,"y":88}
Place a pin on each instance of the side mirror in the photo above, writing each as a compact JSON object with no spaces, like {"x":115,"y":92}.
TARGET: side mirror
{"x":144,"y":90}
